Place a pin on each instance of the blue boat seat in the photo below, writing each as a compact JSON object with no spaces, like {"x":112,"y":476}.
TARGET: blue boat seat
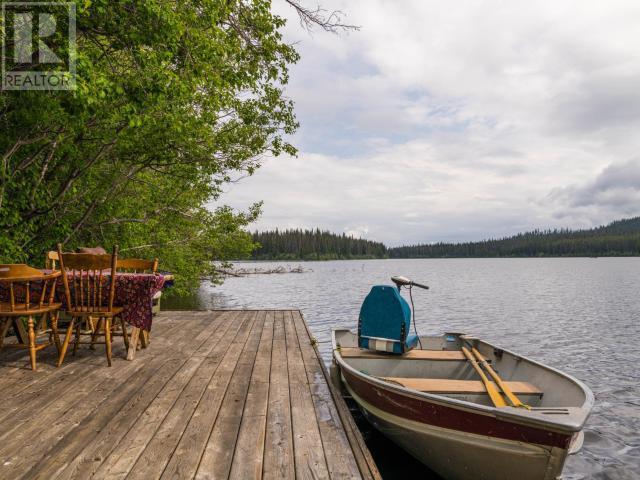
{"x":385,"y":321}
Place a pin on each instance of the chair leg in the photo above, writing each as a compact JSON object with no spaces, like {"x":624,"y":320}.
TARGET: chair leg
{"x":107,"y":338}
{"x":44,"y":318}
{"x":42,"y":325}
{"x":21,"y":333}
{"x":5,"y":323}
{"x":96,"y":331}
{"x":124,"y":333}
{"x":67,"y":339}
{"x":54,"y":330}
{"x":76,"y":342}
{"x":32,"y":342}
{"x":93,"y":324}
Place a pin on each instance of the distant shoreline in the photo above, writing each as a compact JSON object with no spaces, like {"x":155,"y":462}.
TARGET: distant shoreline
{"x":620,"y":238}
{"x":263,"y":260}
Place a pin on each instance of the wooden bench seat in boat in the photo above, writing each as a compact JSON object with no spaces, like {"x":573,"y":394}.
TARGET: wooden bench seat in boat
{"x":442,"y":385}
{"x":348,"y":352}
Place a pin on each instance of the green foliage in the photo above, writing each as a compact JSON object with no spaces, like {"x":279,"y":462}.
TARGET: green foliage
{"x":619,"y":238}
{"x":174,"y":100}
{"x":313,"y":245}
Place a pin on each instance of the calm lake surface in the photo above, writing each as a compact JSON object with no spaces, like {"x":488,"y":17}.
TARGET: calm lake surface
{"x":581,"y":315}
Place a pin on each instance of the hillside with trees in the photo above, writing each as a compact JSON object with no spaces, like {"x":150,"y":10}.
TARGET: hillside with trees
{"x":313,"y":245}
{"x":619,"y":238}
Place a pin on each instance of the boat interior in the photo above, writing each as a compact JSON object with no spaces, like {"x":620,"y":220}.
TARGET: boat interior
{"x":439,"y":366}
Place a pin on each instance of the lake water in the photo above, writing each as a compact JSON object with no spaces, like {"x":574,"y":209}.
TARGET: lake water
{"x":581,"y":315}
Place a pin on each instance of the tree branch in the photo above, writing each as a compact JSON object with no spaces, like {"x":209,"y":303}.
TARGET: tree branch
{"x":329,"y":21}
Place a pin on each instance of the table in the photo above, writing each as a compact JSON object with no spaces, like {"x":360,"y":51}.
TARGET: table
{"x":134,"y":293}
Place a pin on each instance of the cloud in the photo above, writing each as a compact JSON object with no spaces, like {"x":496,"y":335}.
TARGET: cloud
{"x":402,"y":193}
{"x":437,"y":122}
{"x":614,"y":190}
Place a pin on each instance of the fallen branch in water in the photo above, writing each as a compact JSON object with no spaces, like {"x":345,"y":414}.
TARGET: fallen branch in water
{"x":228,"y":273}
{"x":241,"y":272}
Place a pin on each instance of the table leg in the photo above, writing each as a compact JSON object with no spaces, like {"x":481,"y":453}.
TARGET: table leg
{"x":144,"y":338}
{"x":133,"y":343}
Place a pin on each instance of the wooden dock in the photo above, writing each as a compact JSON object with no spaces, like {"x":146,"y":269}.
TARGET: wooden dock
{"x":218,"y":394}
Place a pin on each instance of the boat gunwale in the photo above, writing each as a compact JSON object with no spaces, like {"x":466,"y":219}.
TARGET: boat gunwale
{"x":509,"y":414}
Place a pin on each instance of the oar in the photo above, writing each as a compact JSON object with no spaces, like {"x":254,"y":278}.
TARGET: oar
{"x":493,"y":392}
{"x":515,"y":401}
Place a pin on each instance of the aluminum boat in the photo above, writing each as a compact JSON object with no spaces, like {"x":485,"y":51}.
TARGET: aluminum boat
{"x":464,"y":407}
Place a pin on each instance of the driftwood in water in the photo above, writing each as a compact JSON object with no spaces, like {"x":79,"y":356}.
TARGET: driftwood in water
{"x":241,"y":272}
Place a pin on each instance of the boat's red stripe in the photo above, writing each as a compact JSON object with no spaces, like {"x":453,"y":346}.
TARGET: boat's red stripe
{"x":424,"y":411}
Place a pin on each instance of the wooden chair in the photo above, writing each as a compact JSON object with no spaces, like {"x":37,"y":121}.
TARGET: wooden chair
{"x":85,"y":278}
{"x":50,"y":264}
{"x":50,"y":260}
{"x":52,"y":256}
{"x":140,"y":265}
{"x":19,"y":280}
{"x":137,"y":265}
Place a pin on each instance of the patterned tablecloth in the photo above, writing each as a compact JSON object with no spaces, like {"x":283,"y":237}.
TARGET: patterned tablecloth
{"x":134,"y":293}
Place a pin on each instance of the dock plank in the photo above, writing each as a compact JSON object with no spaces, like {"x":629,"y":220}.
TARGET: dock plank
{"x":363,"y":457}
{"x":236,"y":394}
{"x":125,"y":400}
{"x":128,"y":450}
{"x":98,"y":447}
{"x":62,"y":390}
{"x":340,"y":460}
{"x":160,"y":449}
{"x":307,"y":443}
{"x":53,"y":427}
{"x":199,"y":449}
{"x":249,"y":453}
{"x":18,"y":379}
{"x":279,"y":461}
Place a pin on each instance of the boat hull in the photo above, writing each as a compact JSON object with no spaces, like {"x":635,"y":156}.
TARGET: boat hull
{"x":451,"y":427}
{"x":461,"y":454}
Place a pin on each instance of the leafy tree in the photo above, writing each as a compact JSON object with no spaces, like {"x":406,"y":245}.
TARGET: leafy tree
{"x":173,"y":100}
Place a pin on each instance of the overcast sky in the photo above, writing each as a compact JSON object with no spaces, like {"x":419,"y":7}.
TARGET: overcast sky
{"x":460,"y":120}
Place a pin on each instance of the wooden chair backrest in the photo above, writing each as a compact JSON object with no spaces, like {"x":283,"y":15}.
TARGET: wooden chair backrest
{"x":51,"y":259}
{"x":137,"y":265}
{"x":87,"y":273}
{"x":19,"y":278}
